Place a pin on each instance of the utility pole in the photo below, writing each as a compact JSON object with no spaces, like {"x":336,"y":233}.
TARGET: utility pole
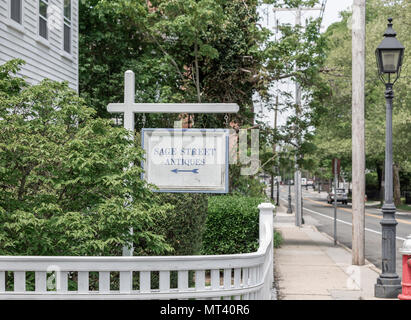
{"x":335,"y":171}
{"x":297,"y":176}
{"x":274,"y":151}
{"x":275,"y":116}
{"x":358,"y":132}
{"x":289,"y":209}
{"x":297,"y":185}
{"x":278,"y":160}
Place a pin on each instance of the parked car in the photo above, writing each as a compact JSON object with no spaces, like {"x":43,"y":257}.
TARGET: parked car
{"x":310,"y":183}
{"x":342,"y":196}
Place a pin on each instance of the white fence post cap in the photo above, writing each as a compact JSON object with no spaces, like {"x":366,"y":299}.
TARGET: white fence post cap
{"x":266,"y":206}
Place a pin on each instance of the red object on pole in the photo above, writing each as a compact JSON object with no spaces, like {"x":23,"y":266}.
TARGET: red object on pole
{"x":406,"y":270}
{"x":406,"y":278}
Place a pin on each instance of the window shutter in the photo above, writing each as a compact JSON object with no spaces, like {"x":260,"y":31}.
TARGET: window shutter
{"x":67,"y":38}
{"x":15,"y":10}
{"x":43,"y":28}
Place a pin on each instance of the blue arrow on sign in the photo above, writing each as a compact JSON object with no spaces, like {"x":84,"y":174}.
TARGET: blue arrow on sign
{"x":192,"y":171}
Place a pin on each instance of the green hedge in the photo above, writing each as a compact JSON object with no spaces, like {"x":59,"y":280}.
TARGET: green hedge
{"x":232,"y":225}
{"x":183,"y":226}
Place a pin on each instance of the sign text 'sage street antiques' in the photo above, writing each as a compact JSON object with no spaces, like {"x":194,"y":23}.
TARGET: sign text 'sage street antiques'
{"x":186,"y":160}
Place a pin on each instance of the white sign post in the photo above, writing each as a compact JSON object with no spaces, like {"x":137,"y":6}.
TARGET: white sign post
{"x":129,"y":108}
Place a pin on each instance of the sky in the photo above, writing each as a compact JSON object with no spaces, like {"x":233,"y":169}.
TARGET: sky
{"x":331,"y":15}
{"x":332,"y":8}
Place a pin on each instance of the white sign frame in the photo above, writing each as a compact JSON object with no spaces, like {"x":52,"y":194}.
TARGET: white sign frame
{"x":147,"y":134}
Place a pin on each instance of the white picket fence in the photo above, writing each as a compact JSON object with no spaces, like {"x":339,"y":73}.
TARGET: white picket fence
{"x":239,"y":276}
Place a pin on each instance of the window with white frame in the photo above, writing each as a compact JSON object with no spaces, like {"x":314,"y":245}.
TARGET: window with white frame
{"x":16,"y":10}
{"x":67,"y":26}
{"x":43,"y":29}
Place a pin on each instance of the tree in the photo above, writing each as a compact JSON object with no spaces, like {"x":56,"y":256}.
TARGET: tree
{"x":181,"y":51}
{"x":185,"y":50}
{"x":194,"y":51}
{"x":65,"y":179}
{"x":332,"y":108}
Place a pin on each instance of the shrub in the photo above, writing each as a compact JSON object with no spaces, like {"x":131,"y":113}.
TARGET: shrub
{"x":232,"y":225}
{"x":64,"y":189}
{"x":183,"y":226}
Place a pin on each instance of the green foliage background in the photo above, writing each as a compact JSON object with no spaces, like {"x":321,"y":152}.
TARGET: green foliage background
{"x":197,"y":51}
{"x":232,"y":225}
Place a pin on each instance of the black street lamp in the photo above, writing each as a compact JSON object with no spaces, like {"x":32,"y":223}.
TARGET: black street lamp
{"x":389,"y":55}
{"x":289,"y":207}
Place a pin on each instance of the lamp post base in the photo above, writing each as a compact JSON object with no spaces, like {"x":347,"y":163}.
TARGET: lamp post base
{"x":387,"y":287}
{"x":289,"y":209}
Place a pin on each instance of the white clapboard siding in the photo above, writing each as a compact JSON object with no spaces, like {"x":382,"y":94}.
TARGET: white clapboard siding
{"x":44,"y":58}
{"x":237,"y":276}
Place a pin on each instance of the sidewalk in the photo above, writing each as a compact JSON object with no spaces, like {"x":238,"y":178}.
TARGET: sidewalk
{"x":309,"y":267}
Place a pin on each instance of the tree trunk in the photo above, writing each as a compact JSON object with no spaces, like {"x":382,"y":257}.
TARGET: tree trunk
{"x":397,"y":188}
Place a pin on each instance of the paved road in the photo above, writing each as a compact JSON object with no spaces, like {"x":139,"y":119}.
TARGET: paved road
{"x":321,"y":214}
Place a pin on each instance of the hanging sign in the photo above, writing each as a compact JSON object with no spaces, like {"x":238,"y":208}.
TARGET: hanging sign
{"x":186,"y":160}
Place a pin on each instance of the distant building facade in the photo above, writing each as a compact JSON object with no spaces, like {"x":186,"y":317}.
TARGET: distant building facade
{"x":44,"y":33}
